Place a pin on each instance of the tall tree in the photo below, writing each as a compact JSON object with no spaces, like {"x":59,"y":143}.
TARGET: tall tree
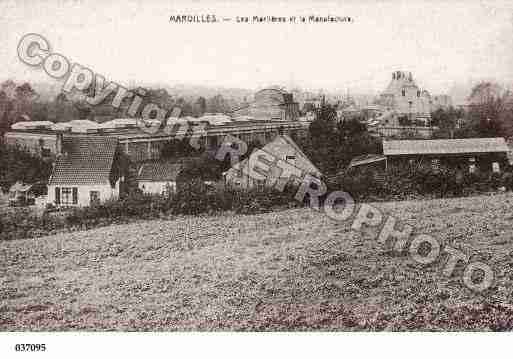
{"x":489,"y":114}
{"x":15,"y":102}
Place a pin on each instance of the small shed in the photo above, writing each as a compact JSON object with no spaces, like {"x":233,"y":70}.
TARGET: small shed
{"x":22,"y":194}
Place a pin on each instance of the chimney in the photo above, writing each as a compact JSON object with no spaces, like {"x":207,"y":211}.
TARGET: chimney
{"x":58,"y":143}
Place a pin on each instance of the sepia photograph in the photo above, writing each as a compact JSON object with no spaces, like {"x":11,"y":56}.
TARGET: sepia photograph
{"x":199,"y":168}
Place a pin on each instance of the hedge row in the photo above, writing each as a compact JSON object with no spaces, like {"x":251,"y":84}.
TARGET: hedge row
{"x":402,"y":183}
{"x":192,"y":199}
{"x":195,"y":198}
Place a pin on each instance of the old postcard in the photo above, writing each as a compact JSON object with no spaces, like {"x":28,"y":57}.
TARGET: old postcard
{"x":261,"y":166}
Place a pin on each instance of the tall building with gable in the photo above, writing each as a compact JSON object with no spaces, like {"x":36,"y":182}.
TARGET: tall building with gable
{"x":406,"y":99}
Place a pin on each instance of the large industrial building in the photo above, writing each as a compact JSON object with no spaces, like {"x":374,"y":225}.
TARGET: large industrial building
{"x":273,"y":112}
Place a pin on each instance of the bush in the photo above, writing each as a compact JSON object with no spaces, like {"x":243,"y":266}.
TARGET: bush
{"x":192,"y":198}
{"x":404,"y":182}
{"x":260,"y":200}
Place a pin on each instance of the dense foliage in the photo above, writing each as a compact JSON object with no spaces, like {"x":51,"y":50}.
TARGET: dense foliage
{"x":489,"y":114}
{"x":192,"y":198}
{"x":403,"y":182}
{"x":331,"y":145}
{"x":18,"y":165}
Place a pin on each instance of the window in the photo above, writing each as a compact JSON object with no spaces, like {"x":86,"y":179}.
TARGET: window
{"x":166,"y":189}
{"x":154,"y":151}
{"x":260,"y":184}
{"x":45,"y":152}
{"x":418,"y":93}
{"x":68,"y":195}
{"x":290,"y":159}
{"x":403,"y":91}
{"x":57,"y":195}
{"x":94,"y":197}
{"x":472,"y":165}
{"x":435,"y":164}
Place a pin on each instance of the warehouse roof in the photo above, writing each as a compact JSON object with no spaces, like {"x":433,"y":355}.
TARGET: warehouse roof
{"x":451,"y":146}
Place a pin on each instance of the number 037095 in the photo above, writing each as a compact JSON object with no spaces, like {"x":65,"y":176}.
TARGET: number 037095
{"x":30,"y":347}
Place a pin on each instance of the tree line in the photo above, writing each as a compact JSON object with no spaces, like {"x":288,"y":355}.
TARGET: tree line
{"x":20,"y":102}
{"x":489,"y":113}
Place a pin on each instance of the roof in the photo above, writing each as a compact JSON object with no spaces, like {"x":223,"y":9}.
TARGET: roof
{"x":159,"y":171}
{"x":76,"y":125}
{"x":452,"y":146}
{"x":374,"y":107}
{"x":398,"y":82}
{"x":20,"y":187}
{"x":275,"y":89}
{"x":31,"y":124}
{"x":86,"y":160}
{"x":276,"y":147}
{"x":350,"y":108}
{"x":215,"y":119}
{"x":366,"y":159}
{"x":280,"y":147}
{"x":119,"y":123}
{"x":140,"y":132}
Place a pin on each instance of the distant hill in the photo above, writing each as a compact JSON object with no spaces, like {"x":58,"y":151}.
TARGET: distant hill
{"x":195,"y":91}
{"x":48,"y":90}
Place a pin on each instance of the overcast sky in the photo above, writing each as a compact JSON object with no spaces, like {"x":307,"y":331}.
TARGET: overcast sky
{"x":440,"y":43}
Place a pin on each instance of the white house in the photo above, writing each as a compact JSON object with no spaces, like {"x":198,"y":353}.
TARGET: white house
{"x":87,"y":171}
{"x":158,"y":177}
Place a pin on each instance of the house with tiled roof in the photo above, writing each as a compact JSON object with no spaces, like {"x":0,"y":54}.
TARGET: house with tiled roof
{"x":158,"y":177}
{"x":87,"y":171}
{"x":279,"y":162}
{"x":165,"y":176}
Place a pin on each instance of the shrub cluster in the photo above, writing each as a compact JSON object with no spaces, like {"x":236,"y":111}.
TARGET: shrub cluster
{"x":193,"y":198}
{"x":22,"y":223}
{"x":401,"y":183}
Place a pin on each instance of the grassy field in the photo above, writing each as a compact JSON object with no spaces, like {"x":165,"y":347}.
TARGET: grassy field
{"x":289,"y":270}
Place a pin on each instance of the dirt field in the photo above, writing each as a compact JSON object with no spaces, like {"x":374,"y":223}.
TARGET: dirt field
{"x":290,"y":270}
